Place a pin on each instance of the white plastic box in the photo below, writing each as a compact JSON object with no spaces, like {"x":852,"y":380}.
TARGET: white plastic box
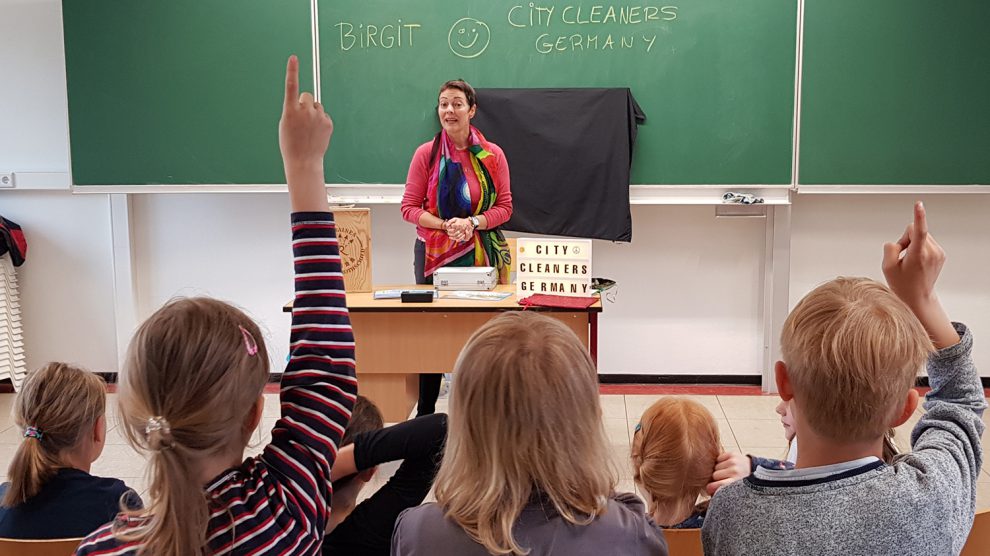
{"x":469,"y":278}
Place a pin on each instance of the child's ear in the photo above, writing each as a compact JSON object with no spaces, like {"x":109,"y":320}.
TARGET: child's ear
{"x":254,"y":416}
{"x":783,"y":382}
{"x":910,"y":404}
{"x":100,"y":430}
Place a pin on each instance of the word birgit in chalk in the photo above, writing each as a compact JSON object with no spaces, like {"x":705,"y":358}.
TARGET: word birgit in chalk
{"x":387,"y":36}
{"x":553,"y":268}
{"x":535,"y":15}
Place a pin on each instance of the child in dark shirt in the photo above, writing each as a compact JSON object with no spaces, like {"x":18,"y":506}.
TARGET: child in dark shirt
{"x":60,"y":412}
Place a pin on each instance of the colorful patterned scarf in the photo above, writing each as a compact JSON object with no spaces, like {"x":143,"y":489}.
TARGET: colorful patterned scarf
{"x":450,"y":197}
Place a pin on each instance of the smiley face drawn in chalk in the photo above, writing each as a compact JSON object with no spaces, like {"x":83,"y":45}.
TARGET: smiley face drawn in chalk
{"x":469,"y":37}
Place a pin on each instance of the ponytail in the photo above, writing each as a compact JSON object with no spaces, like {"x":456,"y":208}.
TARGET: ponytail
{"x":30,"y":469}
{"x":179,"y":516}
{"x":57,"y":406}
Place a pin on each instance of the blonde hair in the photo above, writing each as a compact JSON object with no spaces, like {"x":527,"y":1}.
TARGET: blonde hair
{"x":852,"y":350}
{"x":193,"y":373}
{"x":524,"y":420}
{"x":674,"y":454}
{"x":63,"y":403}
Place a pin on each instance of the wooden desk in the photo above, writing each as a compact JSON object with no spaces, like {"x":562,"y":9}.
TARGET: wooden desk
{"x":396,"y":341}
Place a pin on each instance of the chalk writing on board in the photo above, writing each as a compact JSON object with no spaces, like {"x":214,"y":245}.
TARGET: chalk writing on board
{"x":578,"y":28}
{"x":535,"y":15}
{"x":469,"y":37}
{"x":387,"y":36}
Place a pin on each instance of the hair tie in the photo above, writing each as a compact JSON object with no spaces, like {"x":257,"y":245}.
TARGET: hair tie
{"x":158,"y":424}
{"x":249,"y":344}
{"x":637,"y":428}
{"x":33,"y":432}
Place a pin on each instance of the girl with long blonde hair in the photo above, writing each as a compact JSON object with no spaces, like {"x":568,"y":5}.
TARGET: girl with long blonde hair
{"x":526,"y":464}
{"x":60,"y":413}
{"x":191,"y":394}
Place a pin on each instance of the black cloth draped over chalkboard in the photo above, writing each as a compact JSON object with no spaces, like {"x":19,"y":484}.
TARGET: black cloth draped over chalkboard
{"x":569,"y":153}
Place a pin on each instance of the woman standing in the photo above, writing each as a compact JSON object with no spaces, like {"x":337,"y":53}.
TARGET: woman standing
{"x":457,"y":194}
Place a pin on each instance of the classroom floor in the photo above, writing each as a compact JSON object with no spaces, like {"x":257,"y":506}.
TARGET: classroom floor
{"x":747,"y":423}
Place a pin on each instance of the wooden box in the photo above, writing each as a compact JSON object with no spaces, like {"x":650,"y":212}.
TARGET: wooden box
{"x":354,"y":237}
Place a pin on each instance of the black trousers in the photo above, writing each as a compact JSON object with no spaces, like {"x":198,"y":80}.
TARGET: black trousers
{"x":419,"y":444}
{"x":429,"y":383}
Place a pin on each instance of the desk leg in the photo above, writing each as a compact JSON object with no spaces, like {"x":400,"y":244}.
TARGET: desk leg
{"x":394,"y":394}
{"x":593,"y":340}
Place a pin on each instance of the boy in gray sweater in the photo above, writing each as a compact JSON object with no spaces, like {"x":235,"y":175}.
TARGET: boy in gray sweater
{"x":851,"y":351}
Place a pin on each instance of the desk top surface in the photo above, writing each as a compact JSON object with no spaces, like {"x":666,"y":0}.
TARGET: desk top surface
{"x":365,"y":302}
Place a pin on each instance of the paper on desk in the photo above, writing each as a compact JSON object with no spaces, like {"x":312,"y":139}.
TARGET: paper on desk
{"x":476,"y":295}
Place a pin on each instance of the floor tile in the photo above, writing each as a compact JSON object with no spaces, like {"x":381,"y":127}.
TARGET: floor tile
{"x":725,"y":434}
{"x":749,"y":407}
{"x":119,"y":460}
{"x":613,"y":407}
{"x":617,"y":431}
{"x":758,"y":432}
{"x":11,"y":436}
{"x":637,"y":404}
{"x":619,"y":459}
{"x":982,"y":496}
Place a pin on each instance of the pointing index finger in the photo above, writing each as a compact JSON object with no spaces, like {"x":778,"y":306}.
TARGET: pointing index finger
{"x":920,"y":218}
{"x":920,"y":226}
{"x":292,"y":81}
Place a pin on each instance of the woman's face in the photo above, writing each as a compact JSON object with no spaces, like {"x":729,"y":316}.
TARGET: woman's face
{"x":786,"y":413}
{"x":454,"y":112}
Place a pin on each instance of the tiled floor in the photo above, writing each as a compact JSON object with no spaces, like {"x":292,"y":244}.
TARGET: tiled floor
{"x":746,"y":423}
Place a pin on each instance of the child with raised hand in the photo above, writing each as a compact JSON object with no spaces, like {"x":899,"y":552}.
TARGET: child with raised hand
{"x":191,"y":394}
{"x":852,"y":349}
{"x":60,"y":412}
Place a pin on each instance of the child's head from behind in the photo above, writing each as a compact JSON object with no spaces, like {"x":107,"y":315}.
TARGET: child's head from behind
{"x":189,"y":392}
{"x":674,"y":452}
{"x":59,"y":411}
{"x":525,"y":420}
{"x":852,"y":351}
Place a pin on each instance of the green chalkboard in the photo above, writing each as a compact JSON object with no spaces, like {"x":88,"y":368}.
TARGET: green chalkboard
{"x":715,"y":78}
{"x":188,"y":91}
{"x":180,"y":91}
{"x":895,"y":92}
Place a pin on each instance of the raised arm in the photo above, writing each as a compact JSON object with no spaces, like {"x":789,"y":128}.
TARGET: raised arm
{"x":319,"y":385}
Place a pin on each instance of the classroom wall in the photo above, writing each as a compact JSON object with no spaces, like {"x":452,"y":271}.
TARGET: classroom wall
{"x":689,"y":286}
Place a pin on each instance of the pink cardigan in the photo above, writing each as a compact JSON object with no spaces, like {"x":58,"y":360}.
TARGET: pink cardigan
{"x":420,"y":178}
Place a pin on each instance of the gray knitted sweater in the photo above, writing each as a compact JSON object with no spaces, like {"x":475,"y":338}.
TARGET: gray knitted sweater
{"x":922,"y":504}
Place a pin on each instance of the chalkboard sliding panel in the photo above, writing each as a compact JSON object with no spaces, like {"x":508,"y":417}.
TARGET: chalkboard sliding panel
{"x":894,"y":95}
{"x":715,"y":78}
{"x":182,"y":92}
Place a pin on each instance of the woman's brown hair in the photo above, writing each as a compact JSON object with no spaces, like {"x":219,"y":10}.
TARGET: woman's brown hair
{"x":674,"y":452}
{"x":193,"y":374}
{"x":525,"y":420}
{"x":57,"y":406}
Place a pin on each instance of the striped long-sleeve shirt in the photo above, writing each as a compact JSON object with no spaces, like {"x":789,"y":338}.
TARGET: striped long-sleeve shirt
{"x":278,"y":503}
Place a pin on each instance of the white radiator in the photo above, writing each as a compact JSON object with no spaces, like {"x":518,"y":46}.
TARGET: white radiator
{"x":11,"y":348}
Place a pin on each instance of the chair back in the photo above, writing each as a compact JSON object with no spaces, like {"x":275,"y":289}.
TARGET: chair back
{"x":978,"y":543}
{"x":46,"y":547}
{"x":683,"y":542}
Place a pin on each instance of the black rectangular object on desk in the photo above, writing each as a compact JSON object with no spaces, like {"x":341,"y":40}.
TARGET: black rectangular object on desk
{"x":417,"y":297}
